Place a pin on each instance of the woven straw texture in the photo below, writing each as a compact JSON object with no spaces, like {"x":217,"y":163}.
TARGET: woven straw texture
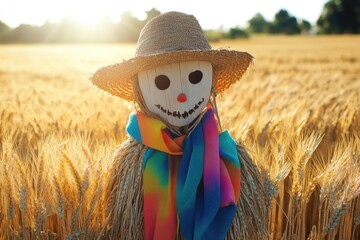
{"x":170,"y":38}
{"x":125,"y":197}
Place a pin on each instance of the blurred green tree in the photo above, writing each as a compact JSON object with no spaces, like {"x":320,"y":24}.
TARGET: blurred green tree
{"x":340,"y":16}
{"x":129,"y":28}
{"x":24,"y":33}
{"x":214,"y":35}
{"x":151,"y":14}
{"x":4,"y":28}
{"x":284,"y":23}
{"x":258,"y":24}
{"x":237,"y":33}
{"x":305,"y":26}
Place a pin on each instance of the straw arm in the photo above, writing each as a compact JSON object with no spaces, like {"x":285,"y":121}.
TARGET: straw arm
{"x":124,"y":192}
{"x":250,"y":219}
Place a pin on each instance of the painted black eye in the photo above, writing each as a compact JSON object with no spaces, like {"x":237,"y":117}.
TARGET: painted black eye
{"x":162,"y":82}
{"x":195,"y":77}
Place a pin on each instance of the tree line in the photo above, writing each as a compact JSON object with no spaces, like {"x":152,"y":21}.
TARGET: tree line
{"x":70,"y":30}
{"x":337,"y":17}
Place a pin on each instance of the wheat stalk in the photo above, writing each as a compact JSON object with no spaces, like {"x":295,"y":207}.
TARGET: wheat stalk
{"x":10,"y":198}
{"x":79,"y":184}
{"x":59,"y":198}
{"x":92,"y":204}
{"x":75,"y":174}
{"x":334,"y":219}
{"x":40,"y":178}
{"x":74,"y":235}
{"x":23,"y":192}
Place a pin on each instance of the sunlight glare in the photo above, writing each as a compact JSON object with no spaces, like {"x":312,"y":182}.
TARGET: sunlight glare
{"x":90,"y":12}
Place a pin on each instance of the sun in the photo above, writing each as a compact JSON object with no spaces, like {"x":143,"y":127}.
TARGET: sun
{"x":90,"y":12}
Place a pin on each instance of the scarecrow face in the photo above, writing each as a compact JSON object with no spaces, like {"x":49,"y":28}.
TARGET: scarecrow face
{"x":178,"y":92}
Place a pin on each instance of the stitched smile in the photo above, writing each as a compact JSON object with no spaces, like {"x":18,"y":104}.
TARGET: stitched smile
{"x":178,"y":114}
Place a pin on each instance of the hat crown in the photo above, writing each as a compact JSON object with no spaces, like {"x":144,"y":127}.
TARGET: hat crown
{"x":169,"y":32}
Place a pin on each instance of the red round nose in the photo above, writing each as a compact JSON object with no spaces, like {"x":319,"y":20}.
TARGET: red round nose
{"x":182,"y":97}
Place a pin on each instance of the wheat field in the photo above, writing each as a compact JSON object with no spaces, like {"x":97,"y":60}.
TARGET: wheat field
{"x":297,"y":111}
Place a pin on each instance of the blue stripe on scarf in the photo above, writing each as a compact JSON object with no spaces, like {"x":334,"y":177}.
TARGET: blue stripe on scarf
{"x":133,"y":128}
{"x":228,"y":149}
{"x":189,"y":178}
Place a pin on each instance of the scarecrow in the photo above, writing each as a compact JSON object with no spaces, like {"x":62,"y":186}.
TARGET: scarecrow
{"x":178,"y":175}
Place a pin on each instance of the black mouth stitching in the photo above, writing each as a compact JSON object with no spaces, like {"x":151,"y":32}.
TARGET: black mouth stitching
{"x":177,"y":114}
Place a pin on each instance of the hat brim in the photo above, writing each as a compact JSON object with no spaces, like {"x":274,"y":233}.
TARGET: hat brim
{"x":118,"y":79}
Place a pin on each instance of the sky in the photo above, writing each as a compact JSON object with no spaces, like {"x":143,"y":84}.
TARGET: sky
{"x":210,"y":14}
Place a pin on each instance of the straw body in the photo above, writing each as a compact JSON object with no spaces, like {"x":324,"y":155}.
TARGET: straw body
{"x":125,"y":197}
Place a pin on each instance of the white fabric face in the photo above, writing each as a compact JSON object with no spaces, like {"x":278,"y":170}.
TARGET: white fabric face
{"x":178,"y":92}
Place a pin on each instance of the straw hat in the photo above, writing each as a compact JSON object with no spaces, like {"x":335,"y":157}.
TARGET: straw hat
{"x":169,"y":38}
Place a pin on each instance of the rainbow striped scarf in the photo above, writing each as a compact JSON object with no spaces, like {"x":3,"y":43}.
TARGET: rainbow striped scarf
{"x":198,"y":190}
